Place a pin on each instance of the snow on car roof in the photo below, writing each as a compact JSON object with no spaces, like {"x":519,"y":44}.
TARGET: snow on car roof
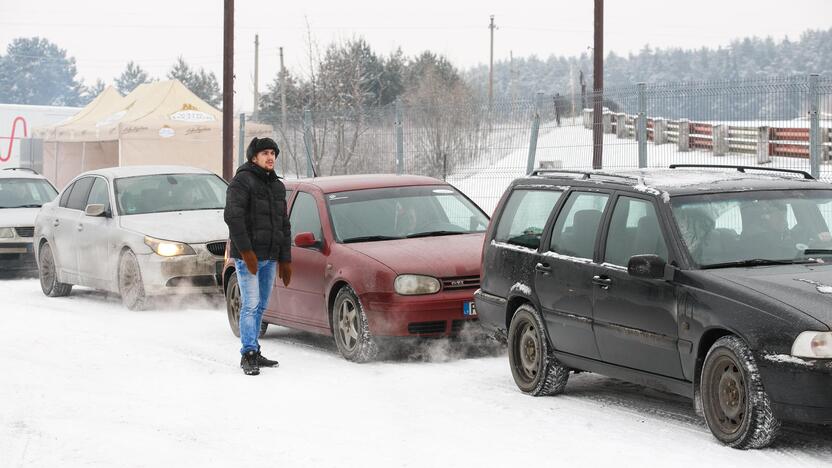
{"x":18,"y":173}
{"x":133,"y":171}
{"x":332,"y":184}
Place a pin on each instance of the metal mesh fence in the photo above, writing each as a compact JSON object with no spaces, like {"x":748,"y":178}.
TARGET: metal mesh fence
{"x":481,"y":148}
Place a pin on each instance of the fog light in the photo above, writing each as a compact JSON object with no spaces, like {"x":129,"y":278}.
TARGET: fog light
{"x":810,"y":344}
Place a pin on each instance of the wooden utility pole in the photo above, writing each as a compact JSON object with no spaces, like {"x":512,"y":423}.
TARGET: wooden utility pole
{"x":598,"y":88}
{"x":283,"y":108}
{"x":491,"y":26}
{"x":256,"y":77}
{"x":228,"y":91}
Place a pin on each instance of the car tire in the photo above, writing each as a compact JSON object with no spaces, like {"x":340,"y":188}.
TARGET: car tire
{"x":350,"y":328}
{"x":232,"y":307}
{"x":535,"y":369}
{"x":48,"y":274}
{"x":736,"y":406}
{"x":130,"y":284}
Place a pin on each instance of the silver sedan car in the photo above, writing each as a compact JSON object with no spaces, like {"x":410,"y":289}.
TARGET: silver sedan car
{"x":139,"y":231}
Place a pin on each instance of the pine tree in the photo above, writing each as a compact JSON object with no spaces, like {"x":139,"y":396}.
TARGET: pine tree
{"x":131,"y":78}
{"x":36,"y":71}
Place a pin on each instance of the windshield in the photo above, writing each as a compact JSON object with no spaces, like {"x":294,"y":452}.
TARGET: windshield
{"x":761,"y":227}
{"x":25,"y":193}
{"x":169,"y":192}
{"x":400,"y":212}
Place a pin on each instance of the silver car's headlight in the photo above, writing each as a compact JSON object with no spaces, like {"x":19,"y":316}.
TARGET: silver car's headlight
{"x":168,"y":248}
{"x":411,"y":285}
{"x":6,"y":233}
{"x":810,"y":344}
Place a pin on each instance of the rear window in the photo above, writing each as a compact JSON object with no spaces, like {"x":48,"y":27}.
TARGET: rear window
{"x":525,"y":216}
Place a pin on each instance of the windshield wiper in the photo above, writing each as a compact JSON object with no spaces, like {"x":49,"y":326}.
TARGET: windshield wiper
{"x":434,"y":233}
{"x":369,"y":239}
{"x":32,"y":205}
{"x":817,"y":252}
{"x":759,"y":262}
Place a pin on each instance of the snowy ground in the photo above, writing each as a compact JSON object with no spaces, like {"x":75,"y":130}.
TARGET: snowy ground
{"x":571,"y":146}
{"x":85,"y":382}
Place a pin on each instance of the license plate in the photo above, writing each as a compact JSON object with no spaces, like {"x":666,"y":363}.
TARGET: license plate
{"x":469,"y":309}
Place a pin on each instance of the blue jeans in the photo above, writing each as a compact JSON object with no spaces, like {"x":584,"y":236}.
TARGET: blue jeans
{"x":254,"y":297}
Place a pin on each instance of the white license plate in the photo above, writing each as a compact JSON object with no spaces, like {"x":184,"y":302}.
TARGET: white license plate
{"x":469,"y":309}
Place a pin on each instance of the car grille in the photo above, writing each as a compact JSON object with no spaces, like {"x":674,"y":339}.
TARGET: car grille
{"x":426,"y":328}
{"x":216,"y":248}
{"x":456,"y":325}
{"x":461,"y":282}
{"x":27,"y":231}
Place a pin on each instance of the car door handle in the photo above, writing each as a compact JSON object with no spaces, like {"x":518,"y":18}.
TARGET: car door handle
{"x":56,"y":223}
{"x":543,"y":268}
{"x":79,"y":227}
{"x":602,"y":281}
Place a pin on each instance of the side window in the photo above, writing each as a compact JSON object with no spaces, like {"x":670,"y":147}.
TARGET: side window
{"x":80,"y":191}
{"x":577,"y":224}
{"x":99,"y":195}
{"x":65,"y":196}
{"x":305,"y":217}
{"x":524,"y":217}
{"x":634,"y":230}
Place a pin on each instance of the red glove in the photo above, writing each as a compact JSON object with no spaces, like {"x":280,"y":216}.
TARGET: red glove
{"x":251,"y":261}
{"x":284,"y":272}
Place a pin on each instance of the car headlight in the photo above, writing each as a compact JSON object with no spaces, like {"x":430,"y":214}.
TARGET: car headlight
{"x":6,"y":233}
{"x":410,"y":285}
{"x":168,"y":248}
{"x":812,"y":344}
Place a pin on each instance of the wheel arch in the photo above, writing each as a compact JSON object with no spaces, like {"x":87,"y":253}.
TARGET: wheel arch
{"x":330,"y":298}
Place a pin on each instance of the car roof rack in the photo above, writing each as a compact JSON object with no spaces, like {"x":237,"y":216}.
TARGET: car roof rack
{"x":585,"y":175}
{"x":21,"y":169}
{"x":742,"y":169}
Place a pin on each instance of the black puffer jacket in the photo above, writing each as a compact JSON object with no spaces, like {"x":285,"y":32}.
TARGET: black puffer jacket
{"x":256,"y":215}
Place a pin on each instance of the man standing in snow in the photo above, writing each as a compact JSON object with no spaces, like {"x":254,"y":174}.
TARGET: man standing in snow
{"x":258,"y":224}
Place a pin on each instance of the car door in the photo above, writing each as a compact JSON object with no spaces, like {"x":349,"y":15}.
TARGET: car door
{"x":563,"y":278}
{"x":635,"y":318}
{"x":95,"y":239}
{"x":66,"y":234}
{"x":303,"y":301}
{"x":508,"y":262}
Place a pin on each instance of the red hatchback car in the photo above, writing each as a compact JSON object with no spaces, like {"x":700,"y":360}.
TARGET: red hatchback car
{"x":373,"y":256}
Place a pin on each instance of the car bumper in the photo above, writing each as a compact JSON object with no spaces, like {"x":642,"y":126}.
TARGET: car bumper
{"x":18,"y":257}
{"x":492,"y":310}
{"x":199,"y":273}
{"x":800,"y":389}
{"x":434,"y":315}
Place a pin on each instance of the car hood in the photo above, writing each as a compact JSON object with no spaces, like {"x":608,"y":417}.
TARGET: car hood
{"x":193,"y":227}
{"x":807,"y":288}
{"x":439,"y":256}
{"x":14,"y":217}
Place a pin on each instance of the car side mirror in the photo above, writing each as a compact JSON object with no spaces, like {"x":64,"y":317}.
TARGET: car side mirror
{"x":95,"y":210}
{"x":647,"y":266}
{"x":306,"y":240}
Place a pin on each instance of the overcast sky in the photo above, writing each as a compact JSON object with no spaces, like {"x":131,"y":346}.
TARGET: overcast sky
{"x":104,"y":35}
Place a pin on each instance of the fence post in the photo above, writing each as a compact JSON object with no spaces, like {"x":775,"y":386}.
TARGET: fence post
{"x":535,"y":131}
{"x":641,"y":129}
{"x":307,"y":141}
{"x":621,"y":125}
{"x":659,"y":131}
{"x":684,"y":135}
{"x":399,"y":139}
{"x":814,"y":126}
{"x":241,"y":155}
{"x":763,"y":134}
{"x":720,"y":139}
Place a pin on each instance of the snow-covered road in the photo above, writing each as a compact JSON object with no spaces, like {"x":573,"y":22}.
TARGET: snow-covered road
{"x":85,"y":382}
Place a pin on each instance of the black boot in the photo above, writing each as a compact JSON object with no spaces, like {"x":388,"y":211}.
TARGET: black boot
{"x":264,"y":362}
{"x":249,"y":363}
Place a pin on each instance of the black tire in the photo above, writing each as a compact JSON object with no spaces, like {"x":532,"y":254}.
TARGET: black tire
{"x":232,"y":307}
{"x":350,"y":328}
{"x":49,"y":275}
{"x":130,"y":284}
{"x":535,"y":369}
{"x":736,"y":406}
